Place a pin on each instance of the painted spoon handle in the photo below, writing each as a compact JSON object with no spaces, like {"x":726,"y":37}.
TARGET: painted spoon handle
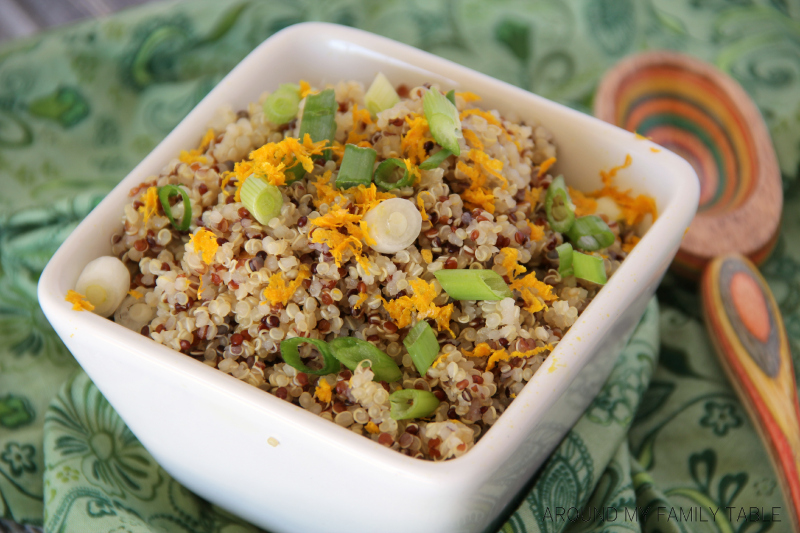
{"x":745,"y":325}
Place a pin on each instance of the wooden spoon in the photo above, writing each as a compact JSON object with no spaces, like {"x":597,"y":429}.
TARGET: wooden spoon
{"x":745,"y":325}
{"x":705,"y":116}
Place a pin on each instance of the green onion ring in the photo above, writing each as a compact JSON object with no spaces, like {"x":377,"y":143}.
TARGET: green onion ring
{"x":164,"y":194}
{"x":385,"y":169}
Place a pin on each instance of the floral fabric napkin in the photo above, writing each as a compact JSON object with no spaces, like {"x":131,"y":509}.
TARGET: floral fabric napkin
{"x":666,"y":446}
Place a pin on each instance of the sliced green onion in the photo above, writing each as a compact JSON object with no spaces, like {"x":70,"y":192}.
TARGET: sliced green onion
{"x":590,"y":233}
{"x":412,"y":403}
{"x":443,"y":120}
{"x":351,"y":352}
{"x":281,"y":106}
{"x":262,"y":199}
{"x":451,"y":95}
{"x":558,"y":206}
{"x":422,"y":346}
{"x":291,"y":356}
{"x":357,"y":165}
{"x":387,"y":170}
{"x":319,"y":121}
{"x":380,"y":95}
{"x":590,"y":268}
{"x":466,"y":284}
{"x":565,"y":255}
{"x":436,"y":159}
{"x":104,"y":282}
{"x":164,"y":194}
{"x":392,"y":225}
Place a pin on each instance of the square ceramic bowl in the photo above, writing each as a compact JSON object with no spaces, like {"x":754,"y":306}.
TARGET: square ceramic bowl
{"x":294,"y":471}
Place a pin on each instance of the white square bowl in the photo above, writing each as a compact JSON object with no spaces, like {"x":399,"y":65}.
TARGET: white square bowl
{"x":288,"y":470}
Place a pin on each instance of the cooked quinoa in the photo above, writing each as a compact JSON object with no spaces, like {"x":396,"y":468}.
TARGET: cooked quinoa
{"x":228,"y":290}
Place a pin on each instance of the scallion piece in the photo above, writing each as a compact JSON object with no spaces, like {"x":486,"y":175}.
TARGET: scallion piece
{"x":262,"y":199}
{"x":443,"y":120}
{"x":104,"y":282}
{"x":392,"y":225}
{"x":436,"y":159}
{"x":590,"y":268}
{"x":422,"y":346}
{"x":351,"y":351}
{"x":164,"y":194}
{"x":590,"y":233}
{"x":467,"y":284}
{"x":558,"y":206}
{"x":281,"y":106}
{"x":565,"y":254}
{"x":357,"y":165}
{"x":451,"y":95}
{"x":319,"y":121}
{"x":380,"y":95}
{"x":412,"y":403}
{"x":291,"y":356}
{"x":387,"y":171}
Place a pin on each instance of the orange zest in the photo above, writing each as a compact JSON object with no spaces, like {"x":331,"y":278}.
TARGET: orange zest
{"x":279,"y":291}
{"x":195,"y":156}
{"x":204,"y":243}
{"x":510,"y":263}
{"x":150,"y":203}
{"x":421,"y":302}
{"x":583,"y":204}
{"x":413,"y":142}
{"x":323,"y":391}
{"x":78,"y":301}
{"x":483,"y":349}
{"x":634,"y":209}
{"x":272,"y":160}
{"x":545,"y":166}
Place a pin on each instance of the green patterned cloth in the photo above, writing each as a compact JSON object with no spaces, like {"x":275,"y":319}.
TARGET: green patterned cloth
{"x":79,"y":107}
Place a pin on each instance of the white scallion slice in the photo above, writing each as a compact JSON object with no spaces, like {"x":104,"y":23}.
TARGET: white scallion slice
{"x":393,"y":224}
{"x":443,"y":120}
{"x":104,"y":282}
{"x":380,"y":95}
{"x":262,"y":199}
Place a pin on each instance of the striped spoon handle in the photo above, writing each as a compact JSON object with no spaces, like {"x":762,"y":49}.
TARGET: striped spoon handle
{"x":745,"y":325}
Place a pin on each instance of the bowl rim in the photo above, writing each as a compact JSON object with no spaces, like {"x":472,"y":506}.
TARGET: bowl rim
{"x":541,"y":391}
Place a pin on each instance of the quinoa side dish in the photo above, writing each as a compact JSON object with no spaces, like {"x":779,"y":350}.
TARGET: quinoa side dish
{"x":398,"y":260}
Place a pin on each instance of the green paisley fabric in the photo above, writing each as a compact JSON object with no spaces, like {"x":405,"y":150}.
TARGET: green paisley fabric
{"x":664,"y":444}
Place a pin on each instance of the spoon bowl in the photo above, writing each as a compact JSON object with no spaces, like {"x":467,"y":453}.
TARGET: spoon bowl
{"x":703,"y":115}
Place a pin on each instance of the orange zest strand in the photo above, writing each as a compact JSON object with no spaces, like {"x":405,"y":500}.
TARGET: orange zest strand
{"x":421,"y":302}
{"x":279,"y":291}
{"x":204,"y":243}
{"x":305,"y":89}
{"x":545,"y":166}
{"x":472,"y":139}
{"x":634,"y":209}
{"x":413,"y":142}
{"x":323,"y":391}
{"x":78,"y":301}
{"x":483,"y":349}
{"x":150,"y":203}
{"x":272,"y":160}
{"x":583,"y":204}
